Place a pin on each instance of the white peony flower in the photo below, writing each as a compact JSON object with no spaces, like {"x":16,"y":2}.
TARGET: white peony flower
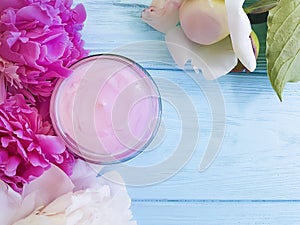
{"x":92,"y":206}
{"x":39,"y":192}
{"x":212,"y":34}
{"x":56,"y":199}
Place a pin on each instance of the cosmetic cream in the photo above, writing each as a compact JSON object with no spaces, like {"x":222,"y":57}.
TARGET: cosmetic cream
{"x":108,"y":110}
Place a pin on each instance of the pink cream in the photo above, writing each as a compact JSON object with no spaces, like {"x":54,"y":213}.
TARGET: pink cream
{"x":108,"y":110}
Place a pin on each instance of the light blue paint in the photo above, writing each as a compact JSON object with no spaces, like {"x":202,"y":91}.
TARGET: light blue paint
{"x":255,"y":179}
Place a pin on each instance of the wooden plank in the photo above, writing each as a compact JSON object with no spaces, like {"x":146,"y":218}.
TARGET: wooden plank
{"x":256,"y":177}
{"x":259,"y":157}
{"x":117,"y":26}
{"x":149,"y":213}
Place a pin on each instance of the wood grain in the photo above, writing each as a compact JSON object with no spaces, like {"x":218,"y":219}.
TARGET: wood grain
{"x":216,"y":213}
{"x":256,"y":177}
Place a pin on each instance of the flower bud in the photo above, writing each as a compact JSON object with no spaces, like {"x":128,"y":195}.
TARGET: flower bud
{"x":204,"y":21}
{"x":255,"y":43}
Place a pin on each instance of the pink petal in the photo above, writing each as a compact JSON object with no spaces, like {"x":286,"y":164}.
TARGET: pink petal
{"x":8,"y":54}
{"x":58,"y":70}
{"x":5,"y":141}
{"x":240,"y":29}
{"x":32,"y":173}
{"x":13,"y":4}
{"x":214,"y":60}
{"x":56,"y":46}
{"x":3,"y":91}
{"x":33,"y":13}
{"x":31,"y":52}
{"x":11,"y":166}
{"x":37,"y":161}
{"x":51,"y":144}
{"x":79,"y":13}
{"x":4,"y":122}
{"x":14,"y":37}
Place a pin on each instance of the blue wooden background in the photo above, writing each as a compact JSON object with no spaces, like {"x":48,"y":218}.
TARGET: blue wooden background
{"x":255,"y":178}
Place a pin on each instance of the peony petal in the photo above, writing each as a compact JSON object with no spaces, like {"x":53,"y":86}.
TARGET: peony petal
{"x":240,"y":29}
{"x":35,"y":195}
{"x":54,"y":44}
{"x":214,"y":60}
{"x":4,"y":122}
{"x":57,"y":70}
{"x":3,"y":91}
{"x":33,"y":13}
{"x":9,"y":203}
{"x":8,"y":54}
{"x":24,"y":26}
{"x":12,"y":206}
{"x":13,"y":38}
{"x":105,"y":202}
{"x":38,"y":162}
{"x":51,"y":144}
{"x":41,"y":219}
{"x":5,"y":141}
{"x":119,"y":199}
{"x":50,"y":186}
{"x":162,"y":15}
{"x":84,"y":175}
{"x":13,"y":4}
{"x":79,"y":13}
{"x":11,"y":166}
{"x":31,"y":173}
{"x":114,"y":180}
{"x":25,"y":207}
{"x":31,"y":51}
{"x":59,"y":205}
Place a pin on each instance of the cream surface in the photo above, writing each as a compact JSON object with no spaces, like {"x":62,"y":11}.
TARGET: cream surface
{"x":109,"y":107}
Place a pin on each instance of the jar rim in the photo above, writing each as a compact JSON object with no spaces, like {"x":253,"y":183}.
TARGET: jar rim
{"x":81,"y":151}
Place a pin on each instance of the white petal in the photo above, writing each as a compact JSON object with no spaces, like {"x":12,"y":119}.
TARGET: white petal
{"x":214,"y":60}
{"x":114,"y":180}
{"x":240,"y":29}
{"x":59,"y":205}
{"x":162,"y":15}
{"x":52,"y":184}
{"x":44,"y":220}
{"x":108,"y":200}
{"x":39,"y":192}
{"x":10,"y":202}
{"x":12,"y":206}
{"x":84,"y":175}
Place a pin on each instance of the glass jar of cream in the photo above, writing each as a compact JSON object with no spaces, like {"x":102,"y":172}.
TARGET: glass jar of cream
{"x":108,"y":110}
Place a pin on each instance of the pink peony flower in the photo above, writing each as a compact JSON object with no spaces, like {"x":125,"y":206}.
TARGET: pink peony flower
{"x":39,"y":40}
{"x":26,"y":145}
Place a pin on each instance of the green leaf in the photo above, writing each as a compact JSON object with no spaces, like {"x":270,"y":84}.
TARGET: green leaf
{"x":283,"y":45}
{"x":261,"y":6}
